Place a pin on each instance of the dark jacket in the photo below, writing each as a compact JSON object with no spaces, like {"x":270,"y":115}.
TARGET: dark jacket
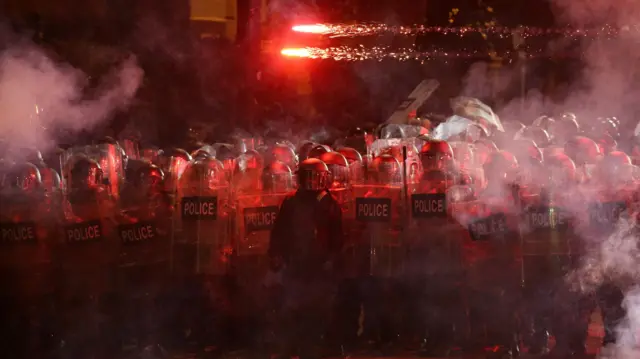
{"x":307,"y":232}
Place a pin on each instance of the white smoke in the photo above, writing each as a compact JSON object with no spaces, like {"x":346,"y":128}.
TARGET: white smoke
{"x":39,"y":95}
{"x":609,"y":87}
{"x":629,"y":329}
{"x":614,"y":259}
{"x":606,"y":86}
{"x":482,"y":82}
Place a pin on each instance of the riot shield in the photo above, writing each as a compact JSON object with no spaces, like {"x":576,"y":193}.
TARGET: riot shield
{"x":67,"y":159}
{"x":202,"y":238}
{"x":244,"y":144}
{"x":492,"y":257}
{"x":208,"y":149}
{"x":376,"y":229}
{"x":411,"y":131}
{"x":150,"y":154}
{"x":493,"y":237}
{"x":344,"y":196}
{"x":144,"y":245}
{"x":27,"y":229}
{"x":433,"y":229}
{"x":86,"y":255}
{"x":131,"y":149}
{"x":87,"y":251}
{"x":545,"y":227}
{"x":108,"y":156}
{"x":225,"y":153}
{"x":547,"y":236}
{"x":111,"y":161}
{"x":391,"y":131}
{"x":143,"y":230}
{"x":255,"y":217}
{"x":201,"y":247}
{"x":395,"y":147}
{"x":608,"y":217}
{"x":375,"y":253}
{"x":173,"y":163}
{"x":434,"y":273}
{"x":380,"y":145}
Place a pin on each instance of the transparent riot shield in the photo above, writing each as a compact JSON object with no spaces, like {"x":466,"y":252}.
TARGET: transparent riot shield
{"x":151,"y":154}
{"x":377,"y":225}
{"x":131,"y":149}
{"x":391,"y":131}
{"x":202,"y":236}
{"x":375,"y":251}
{"x":380,"y":145}
{"x":208,"y":149}
{"x":225,"y":153}
{"x":247,"y":174}
{"x":396,"y":148}
{"x":86,"y":254}
{"x":492,"y":259}
{"x":108,"y":156}
{"x":547,"y":236}
{"x":245,"y":144}
{"x":433,"y":265}
{"x":345,"y":198}
{"x":433,"y":230}
{"x":412,"y":131}
{"x":604,"y":212}
{"x":67,"y":160}
{"x":111,"y":161}
{"x":493,"y":237}
{"x":27,"y":229}
{"x":254,"y":219}
{"x":546,"y":226}
{"x":143,"y":230}
{"x":174,"y":163}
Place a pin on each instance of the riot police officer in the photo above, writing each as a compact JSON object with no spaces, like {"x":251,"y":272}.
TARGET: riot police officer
{"x":305,"y":242}
{"x":143,"y":264}
{"x":25,"y":261}
{"x":85,"y":258}
{"x":492,"y":257}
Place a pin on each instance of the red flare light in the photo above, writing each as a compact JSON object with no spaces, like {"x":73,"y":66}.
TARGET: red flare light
{"x":312,"y":29}
{"x":296,"y":52}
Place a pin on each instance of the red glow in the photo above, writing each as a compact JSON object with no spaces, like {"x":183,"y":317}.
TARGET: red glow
{"x":312,"y":29}
{"x":296,"y":52}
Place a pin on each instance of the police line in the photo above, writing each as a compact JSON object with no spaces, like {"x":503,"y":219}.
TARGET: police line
{"x":368,"y":209}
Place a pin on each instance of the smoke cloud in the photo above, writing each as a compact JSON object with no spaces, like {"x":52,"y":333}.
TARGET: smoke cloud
{"x":628,"y":337}
{"x":40,"y":96}
{"x":481,"y":83}
{"x":607,"y":85}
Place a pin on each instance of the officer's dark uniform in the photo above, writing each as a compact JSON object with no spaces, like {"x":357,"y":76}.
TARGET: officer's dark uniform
{"x":306,"y":238}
